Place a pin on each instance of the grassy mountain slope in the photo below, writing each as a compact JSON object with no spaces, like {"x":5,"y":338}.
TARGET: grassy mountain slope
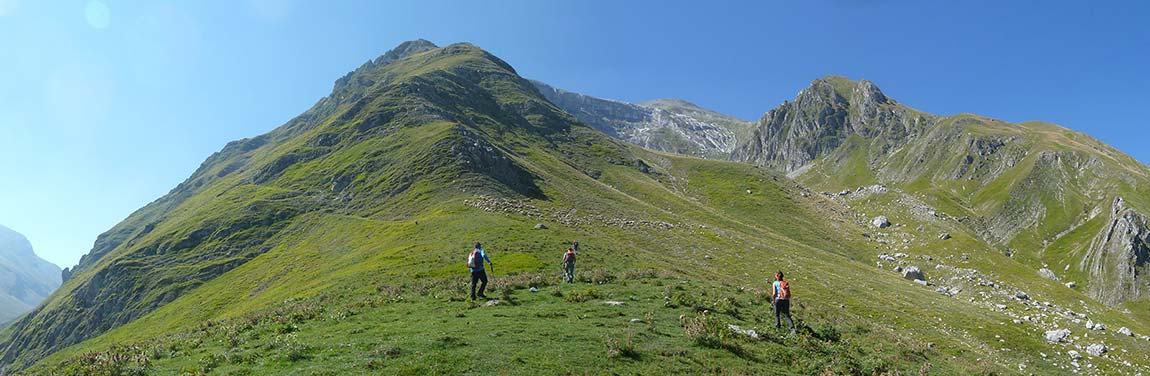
{"x":335,"y":244}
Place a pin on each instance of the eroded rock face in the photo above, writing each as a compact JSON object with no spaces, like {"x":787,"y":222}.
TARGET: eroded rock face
{"x":822,"y":117}
{"x":1118,"y":256}
{"x":669,"y":125}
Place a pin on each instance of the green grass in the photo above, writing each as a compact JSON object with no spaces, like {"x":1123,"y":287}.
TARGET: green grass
{"x":431,"y":329}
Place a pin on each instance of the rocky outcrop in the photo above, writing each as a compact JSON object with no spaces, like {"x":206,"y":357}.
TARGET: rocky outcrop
{"x":1049,"y":274}
{"x":670,"y":125}
{"x":1117,"y":260}
{"x":822,"y":117}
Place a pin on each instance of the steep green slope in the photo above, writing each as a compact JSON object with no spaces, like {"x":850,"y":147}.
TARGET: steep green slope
{"x":335,"y":244}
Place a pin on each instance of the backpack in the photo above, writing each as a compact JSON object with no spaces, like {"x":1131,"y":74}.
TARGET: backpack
{"x":784,"y":290}
{"x":474,"y":260}
{"x":569,"y":257}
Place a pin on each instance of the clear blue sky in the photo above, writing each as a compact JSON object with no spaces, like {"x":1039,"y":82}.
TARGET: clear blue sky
{"x":106,"y":105}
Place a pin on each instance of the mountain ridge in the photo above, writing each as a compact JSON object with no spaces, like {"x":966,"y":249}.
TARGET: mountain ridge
{"x":335,"y":243}
{"x":25,"y":278}
{"x":668,"y":124}
{"x":1020,"y":172}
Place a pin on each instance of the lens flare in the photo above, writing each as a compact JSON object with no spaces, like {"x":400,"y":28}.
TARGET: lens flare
{"x":97,"y":14}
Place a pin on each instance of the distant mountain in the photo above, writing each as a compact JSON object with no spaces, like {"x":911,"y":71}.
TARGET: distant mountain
{"x":670,"y":125}
{"x":25,"y":279}
{"x":1052,"y":196}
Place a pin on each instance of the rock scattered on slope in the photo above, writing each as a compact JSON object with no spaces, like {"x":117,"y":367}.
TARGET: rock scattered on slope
{"x":1071,"y":284}
{"x":880,"y":222}
{"x":944,"y":236}
{"x":540,"y":226}
{"x":913,"y":273}
{"x":1074,"y":354}
{"x":1057,"y":335}
{"x":614,"y":303}
{"x":1096,"y":349}
{"x":1125,"y":331}
{"x":1049,"y":274}
{"x":747,"y":332}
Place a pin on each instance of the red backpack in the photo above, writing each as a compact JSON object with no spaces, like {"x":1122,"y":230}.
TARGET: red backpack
{"x":784,"y":290}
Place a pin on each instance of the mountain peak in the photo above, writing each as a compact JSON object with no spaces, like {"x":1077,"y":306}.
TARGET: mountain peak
{"x":867,"y":91}
{"x":405,"y":49}
{"x":822,"y":117}
{"x":847,"y":88}
{"x":665,"y":103}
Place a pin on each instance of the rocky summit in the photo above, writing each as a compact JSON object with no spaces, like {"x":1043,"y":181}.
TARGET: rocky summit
{"x":1057,"y":199}
{"x":336,"y":243}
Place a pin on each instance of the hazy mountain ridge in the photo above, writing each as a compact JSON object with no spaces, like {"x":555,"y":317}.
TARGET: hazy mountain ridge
{"x":670,"y":125}
{"x":25,"y":279}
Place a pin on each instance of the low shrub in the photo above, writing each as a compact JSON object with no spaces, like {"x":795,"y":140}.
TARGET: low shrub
{"x":622,"y":347}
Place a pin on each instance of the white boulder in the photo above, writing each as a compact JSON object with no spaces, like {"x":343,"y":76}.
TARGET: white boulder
{"x":1057,"y":335}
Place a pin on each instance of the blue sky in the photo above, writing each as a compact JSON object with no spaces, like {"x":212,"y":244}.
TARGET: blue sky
{"x":106,"y":105}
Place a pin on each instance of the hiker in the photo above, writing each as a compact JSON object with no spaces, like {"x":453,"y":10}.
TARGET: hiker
{"x":475,"y":263}
{"x":569,"y":265}
{"x":575,"y":246}
{"x":781,"y":299}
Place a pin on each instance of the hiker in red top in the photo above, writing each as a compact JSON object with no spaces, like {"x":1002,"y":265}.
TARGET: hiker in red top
{"x":781,"y":299}
{"x":569,"y":265}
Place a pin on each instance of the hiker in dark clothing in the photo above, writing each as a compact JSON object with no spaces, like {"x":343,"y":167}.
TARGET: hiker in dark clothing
{"x":781,"y":299}
{"x":575,"y":246}
{"x":569,"y":265}
{"x":475,"y":263}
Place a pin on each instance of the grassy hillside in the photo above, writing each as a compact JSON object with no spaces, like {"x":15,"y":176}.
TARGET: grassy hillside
{"x":336,"y":244}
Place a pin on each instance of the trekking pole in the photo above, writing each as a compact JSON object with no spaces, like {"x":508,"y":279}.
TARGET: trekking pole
{"x":492,"y":266}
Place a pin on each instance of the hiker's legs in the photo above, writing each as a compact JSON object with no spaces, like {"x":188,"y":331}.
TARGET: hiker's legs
{"x":474,"y":280}
{"x":569,"y":272}
{"x":785,"y":308}
{"x":483,"y":284}
{"x":778,"y":311}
